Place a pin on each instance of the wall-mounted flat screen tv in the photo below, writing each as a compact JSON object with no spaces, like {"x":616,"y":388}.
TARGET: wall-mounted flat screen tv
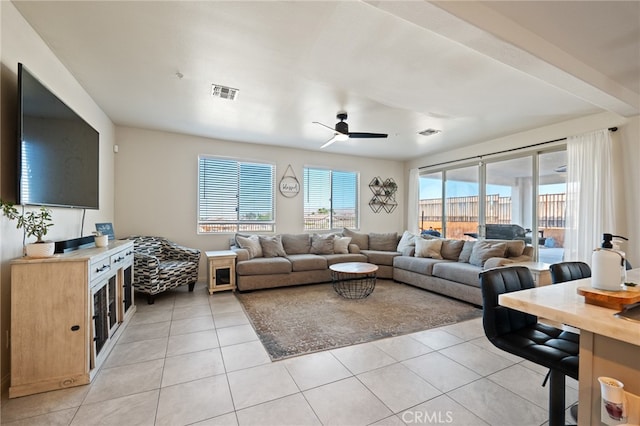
{"x":58,"y":152}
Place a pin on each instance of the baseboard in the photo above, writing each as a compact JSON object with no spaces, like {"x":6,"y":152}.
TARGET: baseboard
{"x":4,"y":384}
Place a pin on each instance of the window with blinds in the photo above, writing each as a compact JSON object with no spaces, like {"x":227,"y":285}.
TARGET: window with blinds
{"x":235,"y":195}
{"x":330,"y":199}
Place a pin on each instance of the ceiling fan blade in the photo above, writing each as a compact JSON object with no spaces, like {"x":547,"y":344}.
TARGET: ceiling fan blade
{"x":330,"y":141}
{"x":364,"y":135}
{"x":324,"y":125}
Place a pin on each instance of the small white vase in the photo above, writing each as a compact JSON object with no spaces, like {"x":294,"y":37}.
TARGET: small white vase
{"x":41,"y":249}
{"x":101,"y":240}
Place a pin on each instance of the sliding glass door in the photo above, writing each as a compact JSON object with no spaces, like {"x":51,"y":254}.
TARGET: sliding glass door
{"x":510,"y":198}
{"x":552,"y":192}
{"x":449,"y":204}
{"x":462,"y":209}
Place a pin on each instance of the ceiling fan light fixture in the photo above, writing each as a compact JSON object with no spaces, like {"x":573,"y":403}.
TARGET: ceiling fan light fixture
{"x":429,"y":132}
{"x":341,"y":137}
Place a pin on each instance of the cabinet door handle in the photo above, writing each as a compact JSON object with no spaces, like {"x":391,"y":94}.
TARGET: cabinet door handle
{"x":75,"y":327}
{"x":104,"y":267}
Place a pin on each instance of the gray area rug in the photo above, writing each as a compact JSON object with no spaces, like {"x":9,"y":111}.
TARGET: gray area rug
{"x":293,"y":321}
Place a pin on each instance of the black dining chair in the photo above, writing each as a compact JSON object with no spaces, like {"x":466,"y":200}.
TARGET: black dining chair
{"x":569,"y":271}
{"x":521,"y":334}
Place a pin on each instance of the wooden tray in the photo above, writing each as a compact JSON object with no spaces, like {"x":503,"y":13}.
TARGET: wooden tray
{"x":609,"y":299}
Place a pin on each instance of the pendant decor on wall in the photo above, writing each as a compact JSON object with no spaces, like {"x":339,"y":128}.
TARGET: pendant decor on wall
{"x":384,"y":194}
{"x":289,"y":185}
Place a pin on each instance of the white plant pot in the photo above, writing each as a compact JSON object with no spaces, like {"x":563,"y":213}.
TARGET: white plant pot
{"x":41,"y":249}
{"x":101,"y":240}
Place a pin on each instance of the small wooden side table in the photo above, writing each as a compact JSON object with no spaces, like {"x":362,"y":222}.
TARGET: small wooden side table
{"x":539,"y":270}
{"x":221,"y":268}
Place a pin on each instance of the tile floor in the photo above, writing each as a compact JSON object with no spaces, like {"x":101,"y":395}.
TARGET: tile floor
{"x":192,"y":358}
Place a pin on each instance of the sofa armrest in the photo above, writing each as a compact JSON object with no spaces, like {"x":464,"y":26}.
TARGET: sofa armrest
{"x":496,"y":262}
{"x":241,"y":254}
{"x":146,"y":265}
{"x":176,"y":251}
{"x":523,"y":258}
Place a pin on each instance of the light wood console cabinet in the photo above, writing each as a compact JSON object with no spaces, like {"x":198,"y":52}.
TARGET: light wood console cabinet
{"x":66,"y":313}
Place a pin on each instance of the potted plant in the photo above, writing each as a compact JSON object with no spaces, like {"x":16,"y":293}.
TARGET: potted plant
{"x":36,"y":224}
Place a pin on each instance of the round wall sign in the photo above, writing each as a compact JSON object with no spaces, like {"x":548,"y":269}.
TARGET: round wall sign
{"x":289,"y":186}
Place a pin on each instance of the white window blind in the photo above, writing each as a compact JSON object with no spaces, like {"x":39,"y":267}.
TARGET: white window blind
{"x":330,"y":199}
{"x":235,"y":195}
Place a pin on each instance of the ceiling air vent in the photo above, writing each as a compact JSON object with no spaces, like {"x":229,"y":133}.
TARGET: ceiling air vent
{"x":429,"y":132}
{"x":224,"y":92}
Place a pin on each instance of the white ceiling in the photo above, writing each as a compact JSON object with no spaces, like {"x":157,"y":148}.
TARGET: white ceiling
{"x":475,"y":70}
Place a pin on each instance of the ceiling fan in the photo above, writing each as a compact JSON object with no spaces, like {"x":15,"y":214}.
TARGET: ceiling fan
{"x":342,"y":133}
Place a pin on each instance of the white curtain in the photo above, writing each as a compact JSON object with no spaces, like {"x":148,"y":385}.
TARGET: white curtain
{"x":413,"y":202}
{"x":589,"y":194}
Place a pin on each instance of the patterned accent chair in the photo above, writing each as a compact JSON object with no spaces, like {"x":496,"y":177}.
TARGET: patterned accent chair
{"x":161,"y":265}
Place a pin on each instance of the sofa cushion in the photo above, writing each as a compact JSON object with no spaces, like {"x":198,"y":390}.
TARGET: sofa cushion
{"x":465,"y":254}
{"x":451,"y":249}
{"x":428,"y":248}
{"x":264,"y":266}
{"x":332,"y":259}
{"x":357,"y":238}
{"x":407,"y":241}
{"x":272,"y":246}
{"x":464,"y":273}
{"x":341,"y":244}
{"x":251,"y":244}
{"x":486,"y":249}
{"x":380,"y":257}
{"x":419,"y":265}
{"x":383,"y":242}
{"x":296,"y":243}
{"x":307,"y":262}
{"x":321,"y":244}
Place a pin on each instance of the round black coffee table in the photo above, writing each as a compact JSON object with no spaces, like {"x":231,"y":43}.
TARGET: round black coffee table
{"x":353,"y":280}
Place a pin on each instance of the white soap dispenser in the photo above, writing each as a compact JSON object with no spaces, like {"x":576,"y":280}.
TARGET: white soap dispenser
{"x":608,"y":266}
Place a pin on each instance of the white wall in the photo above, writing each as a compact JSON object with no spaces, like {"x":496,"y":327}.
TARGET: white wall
{"x":626,"y":154}
{"x":157,"y":175}
{"x":20,"y":43}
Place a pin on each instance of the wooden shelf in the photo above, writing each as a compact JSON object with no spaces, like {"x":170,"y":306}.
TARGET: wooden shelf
{"x":384,"y":194}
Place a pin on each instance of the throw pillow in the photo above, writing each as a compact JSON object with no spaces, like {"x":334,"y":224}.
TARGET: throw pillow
{"x":465,"y":254}
{"x":296,"y":243}
{"x":251,"y":244}
{"x":428,"y":248}
{"x":272,"y":246}
{"x":515,"y":248}
{"x":484,"y":250}
{"x":383,"y":242}
{"x":357,"y":238}
{"x":407,"y":240}
{"x":321,"y":244}
{"x":451,"y":249}
{"x":341,"y":244}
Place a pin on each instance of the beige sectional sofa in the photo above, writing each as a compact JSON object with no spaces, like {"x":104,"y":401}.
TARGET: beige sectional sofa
{"x":448,"y":267}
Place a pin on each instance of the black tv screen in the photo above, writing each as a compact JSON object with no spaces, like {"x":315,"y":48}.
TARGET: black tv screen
{"x":58,"y":152}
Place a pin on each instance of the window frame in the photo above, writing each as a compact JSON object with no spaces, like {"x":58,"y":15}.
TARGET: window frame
{"x":238,"y":224}
{"x":333,"y":226}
